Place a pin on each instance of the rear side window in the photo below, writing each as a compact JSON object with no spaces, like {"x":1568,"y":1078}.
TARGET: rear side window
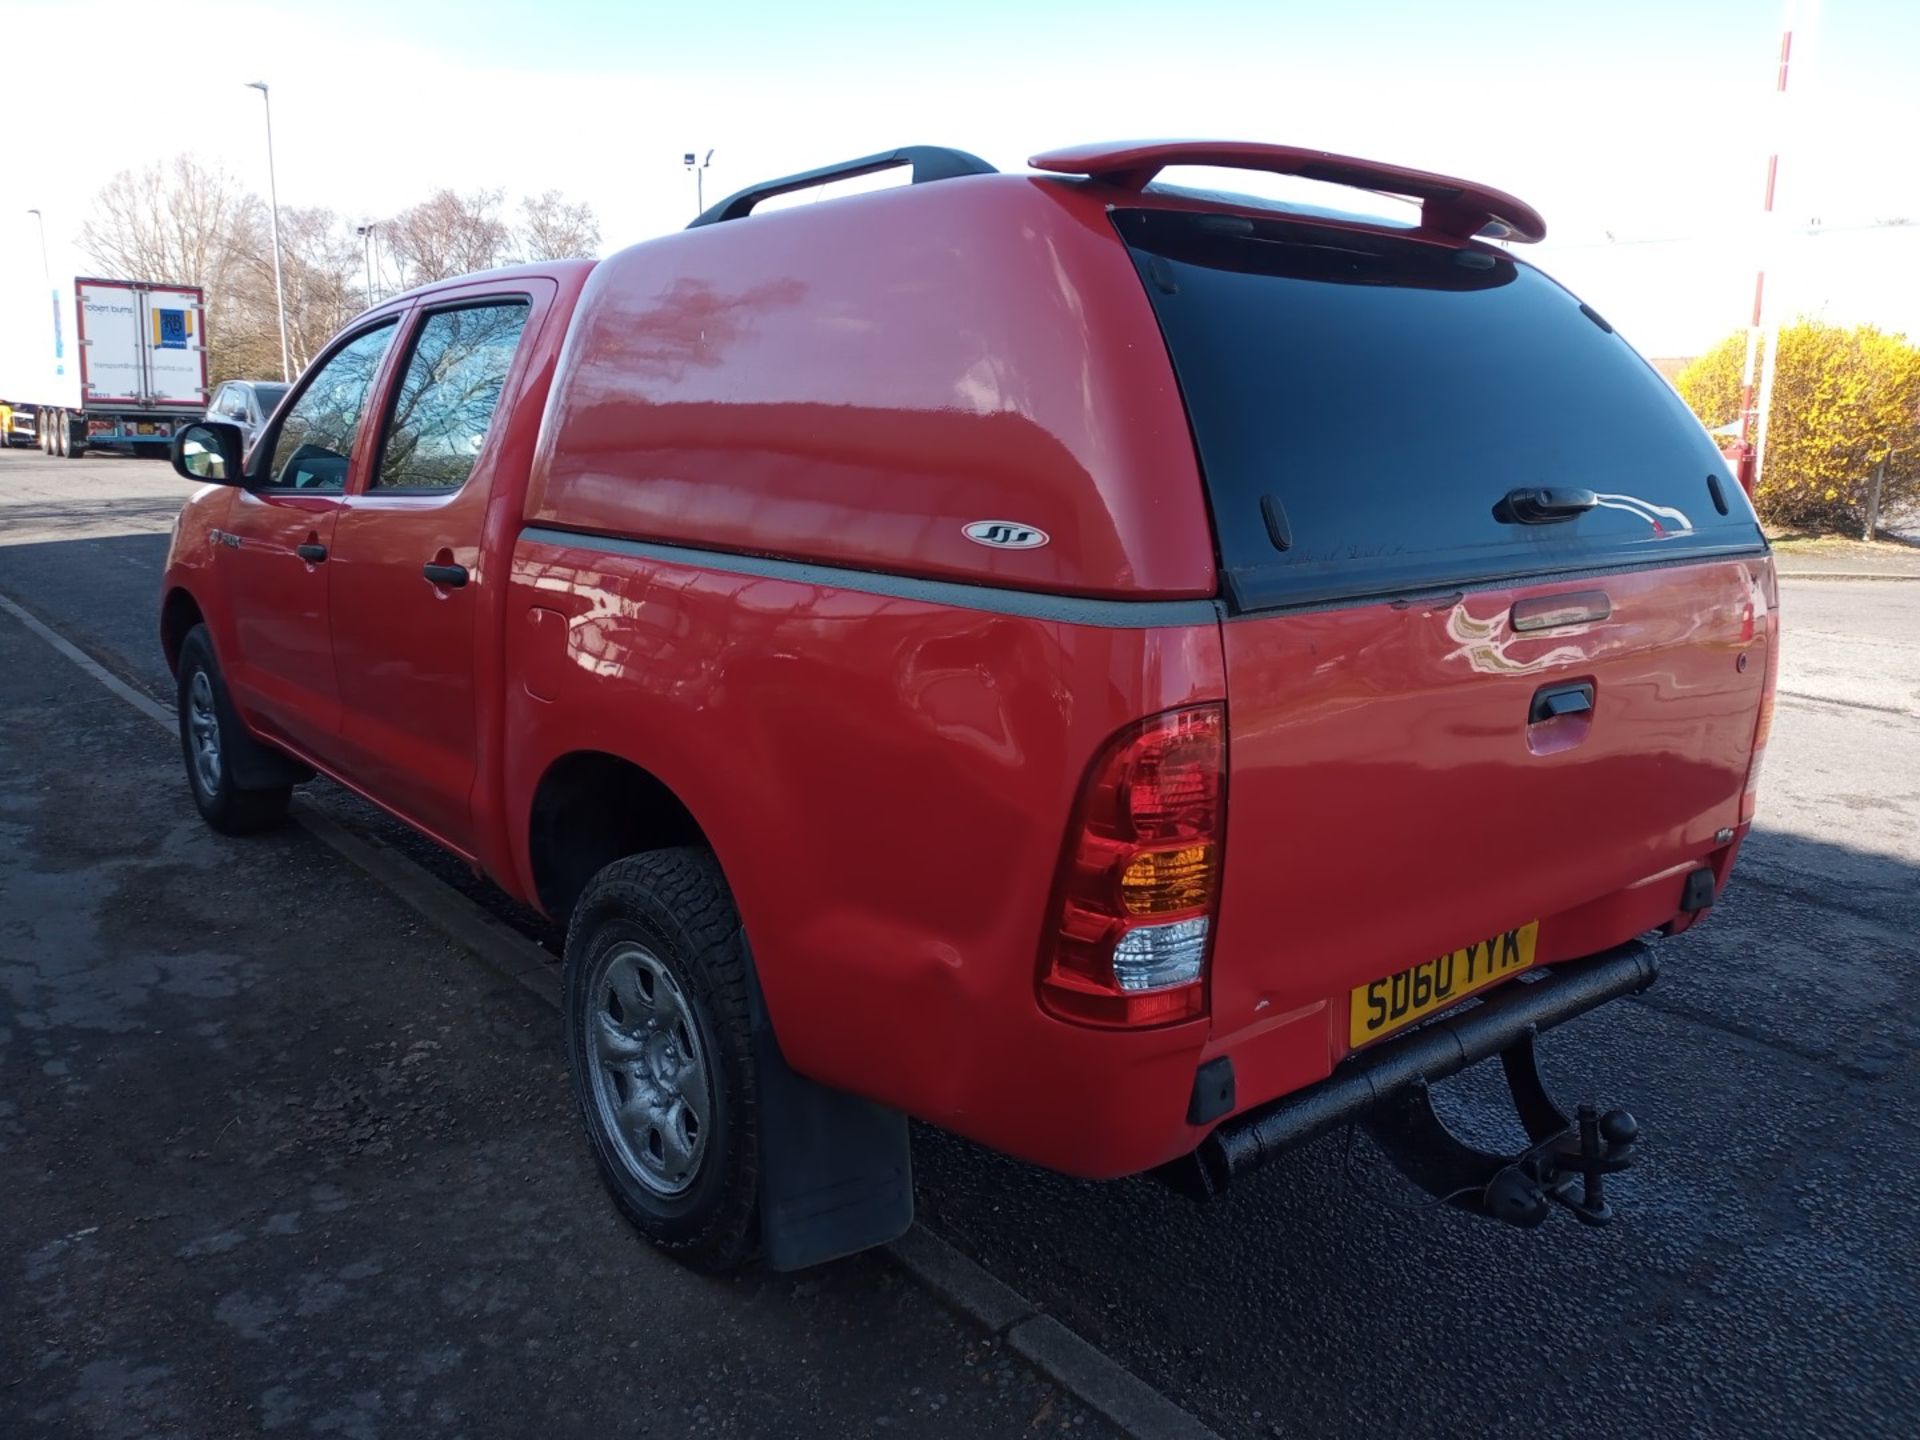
{"x":446,"y":402}
{"x":1363,"y":405}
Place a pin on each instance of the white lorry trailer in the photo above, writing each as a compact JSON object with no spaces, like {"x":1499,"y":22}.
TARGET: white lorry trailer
{"x":102,"y":364}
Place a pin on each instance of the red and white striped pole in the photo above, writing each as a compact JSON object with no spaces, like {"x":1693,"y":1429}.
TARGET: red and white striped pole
{"x":1752,"y":428}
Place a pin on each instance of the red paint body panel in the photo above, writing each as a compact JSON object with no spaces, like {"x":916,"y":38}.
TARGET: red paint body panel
{"x":281,"y":671}
{"x":1391,"y":802}
{"x":816,"y":733}
{"x":983,"y":352}
{"x":887,"y":774}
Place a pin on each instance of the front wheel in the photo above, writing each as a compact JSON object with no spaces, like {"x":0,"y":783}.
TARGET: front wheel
{"x":660,"y":1052}
{"x":210,"y":735}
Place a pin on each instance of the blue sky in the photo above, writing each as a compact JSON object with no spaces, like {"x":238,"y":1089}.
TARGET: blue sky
{"x":1647,"y":121}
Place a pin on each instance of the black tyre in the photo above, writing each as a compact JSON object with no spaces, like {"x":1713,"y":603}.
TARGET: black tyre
{"x":660,"y":1051}
{"x":211,"y":735}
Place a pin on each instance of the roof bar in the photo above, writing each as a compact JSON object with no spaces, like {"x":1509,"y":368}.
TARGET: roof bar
{"x":1456,"y":208}
{"x":929,"y":162}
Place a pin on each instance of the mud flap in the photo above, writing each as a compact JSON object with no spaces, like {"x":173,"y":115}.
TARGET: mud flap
{"x":836,"y":1174}
{"x":253,"y":763}
{"x":257,"y":766}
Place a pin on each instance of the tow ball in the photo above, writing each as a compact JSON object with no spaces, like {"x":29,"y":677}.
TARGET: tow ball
{"x":1565,"y":1164}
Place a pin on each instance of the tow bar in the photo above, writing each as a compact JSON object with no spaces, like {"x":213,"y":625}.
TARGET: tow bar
{"x":1581,"y":1150}
{"x":1567,"y":1159}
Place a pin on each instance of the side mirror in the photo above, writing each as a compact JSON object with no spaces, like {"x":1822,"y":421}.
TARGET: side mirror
{"x":209,"y":450}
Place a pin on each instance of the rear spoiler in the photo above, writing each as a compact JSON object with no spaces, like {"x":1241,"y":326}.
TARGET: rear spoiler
{"x":1456,"y":208}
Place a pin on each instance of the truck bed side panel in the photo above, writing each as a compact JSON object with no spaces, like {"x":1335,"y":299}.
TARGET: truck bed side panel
{"x":886,"y":783}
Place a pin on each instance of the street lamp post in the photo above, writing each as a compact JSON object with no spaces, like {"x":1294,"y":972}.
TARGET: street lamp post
{"x":53,"y":298}
{"x":46,"y":272}
{"x":699,"y":168}
{"x":365,"y":232}
{"x":273,"y":200}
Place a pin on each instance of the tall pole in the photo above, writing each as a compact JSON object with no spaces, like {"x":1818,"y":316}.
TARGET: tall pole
{"x":46,"y":271}
{"x":698,"y":166}
{"x":1753,"y":406}
{"x":366,"y":246}
{"x":53,"y":298}
{"x":273,"y":200}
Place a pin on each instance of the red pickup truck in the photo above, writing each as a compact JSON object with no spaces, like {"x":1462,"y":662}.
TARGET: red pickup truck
{"x":1137,"y":676}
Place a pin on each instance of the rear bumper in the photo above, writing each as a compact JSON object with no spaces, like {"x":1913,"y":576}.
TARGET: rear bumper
{"x":1100,"y":1104}
{"x":1433,"y":1051}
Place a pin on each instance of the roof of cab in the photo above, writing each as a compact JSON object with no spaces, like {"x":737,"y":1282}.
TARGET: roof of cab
{"x":535,"y":269}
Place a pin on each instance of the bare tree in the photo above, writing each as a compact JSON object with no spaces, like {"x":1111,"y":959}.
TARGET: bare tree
{"x":183,"y":222}
{"x":324,"y":283}
{"x":448,"y":234}
{"x":174,"y":222}
{"x":554,"y":230}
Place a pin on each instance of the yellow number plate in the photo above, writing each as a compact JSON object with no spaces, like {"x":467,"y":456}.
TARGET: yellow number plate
{"x":1397,"y":1001}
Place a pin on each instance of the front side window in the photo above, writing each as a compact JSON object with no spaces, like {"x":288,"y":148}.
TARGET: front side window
{"x":446,"y":402}
{"x":316,"y":439}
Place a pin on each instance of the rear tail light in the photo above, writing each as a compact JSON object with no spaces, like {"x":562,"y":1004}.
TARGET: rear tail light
{"x":1767,"y":604}
{"x":1140,"y":879}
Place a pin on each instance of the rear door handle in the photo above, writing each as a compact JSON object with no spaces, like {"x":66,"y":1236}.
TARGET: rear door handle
{"x":451,"y":576}
{"x":312,"y":554}
{"x":1551,"y":702}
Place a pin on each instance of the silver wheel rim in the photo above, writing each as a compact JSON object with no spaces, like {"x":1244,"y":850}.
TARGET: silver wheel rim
{"x":203,"y":731}
{"x":651,"y":1088}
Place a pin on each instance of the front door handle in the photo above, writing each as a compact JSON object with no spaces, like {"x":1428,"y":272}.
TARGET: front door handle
{"x":312,"y":554}
{"x":451,"y":576}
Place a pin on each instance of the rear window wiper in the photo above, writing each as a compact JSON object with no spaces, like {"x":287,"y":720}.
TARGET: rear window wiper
{"x":1542,"y":505}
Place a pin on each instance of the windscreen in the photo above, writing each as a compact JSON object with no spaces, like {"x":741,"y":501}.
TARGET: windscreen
{"x":1377,"y":415}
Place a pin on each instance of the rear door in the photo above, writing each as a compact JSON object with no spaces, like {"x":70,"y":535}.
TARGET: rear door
{"x":112,"y":362}
{"x":1455,"y":707}
{"x":410,"y":581}
{"x":173,"y":347}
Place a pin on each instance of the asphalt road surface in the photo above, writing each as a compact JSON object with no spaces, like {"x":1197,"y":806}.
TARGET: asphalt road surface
{"x":1764,"y":1276}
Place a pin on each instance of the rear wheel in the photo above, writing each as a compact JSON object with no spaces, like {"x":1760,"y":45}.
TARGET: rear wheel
{"x":660,"y":1052}
{"x":210,"y":734}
